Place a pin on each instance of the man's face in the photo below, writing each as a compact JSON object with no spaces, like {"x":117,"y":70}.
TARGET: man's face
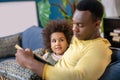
{"x":84,"y":27}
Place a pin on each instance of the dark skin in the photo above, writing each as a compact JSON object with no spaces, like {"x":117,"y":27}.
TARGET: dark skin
{"x":86,"y":30}
{"x":26,"y":59}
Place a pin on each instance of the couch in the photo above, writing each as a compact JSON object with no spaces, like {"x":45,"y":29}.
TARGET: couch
{"x":112,"y":72}
{"x":32,"y":38}
{"x":9,"y":68}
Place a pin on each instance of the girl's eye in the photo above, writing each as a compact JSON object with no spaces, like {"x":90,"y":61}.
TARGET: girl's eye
{"x":53,"y":41}
{"x":61,"y":40}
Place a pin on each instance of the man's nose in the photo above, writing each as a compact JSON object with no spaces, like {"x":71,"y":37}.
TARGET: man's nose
{"x":75,"y":28}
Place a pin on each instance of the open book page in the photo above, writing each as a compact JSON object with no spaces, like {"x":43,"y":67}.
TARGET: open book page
{"x":39,"y":58}
{"x":36,"y":55}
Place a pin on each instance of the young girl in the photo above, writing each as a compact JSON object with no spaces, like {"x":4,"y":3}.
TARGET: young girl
{"x":57,"y":36}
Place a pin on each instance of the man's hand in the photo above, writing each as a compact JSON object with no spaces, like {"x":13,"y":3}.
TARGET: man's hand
{"x":24,"y":57}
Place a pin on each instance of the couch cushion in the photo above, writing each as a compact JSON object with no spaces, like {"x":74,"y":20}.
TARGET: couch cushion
{"x":32,"y":38}
{"x":115,"y":55}
{"x":7,"y":44}
{"x":112,"y":72}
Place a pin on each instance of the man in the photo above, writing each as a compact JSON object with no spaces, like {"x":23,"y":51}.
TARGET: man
{"x":88,"y":55}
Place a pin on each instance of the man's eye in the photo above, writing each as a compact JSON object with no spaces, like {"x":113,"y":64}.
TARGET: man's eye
{"x":77,"y":24}
{"x":80,"y":25}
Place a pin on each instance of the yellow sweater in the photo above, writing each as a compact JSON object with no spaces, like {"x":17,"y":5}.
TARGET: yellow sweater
{"x":84,"y":60}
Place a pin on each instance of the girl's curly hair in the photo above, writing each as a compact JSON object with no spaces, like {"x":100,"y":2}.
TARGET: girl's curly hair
{"x":58,"y":25}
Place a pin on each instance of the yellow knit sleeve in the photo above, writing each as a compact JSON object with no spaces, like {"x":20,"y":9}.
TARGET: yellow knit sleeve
{"x":44,"y":70}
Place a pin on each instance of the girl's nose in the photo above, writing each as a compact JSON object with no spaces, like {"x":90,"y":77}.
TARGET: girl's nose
{"x":57,"y":42}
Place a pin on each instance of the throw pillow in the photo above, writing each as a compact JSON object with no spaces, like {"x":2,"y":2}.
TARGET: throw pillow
{"x":7,"y":44}
{"x":32,"y":38}
{"x":11,"y":70}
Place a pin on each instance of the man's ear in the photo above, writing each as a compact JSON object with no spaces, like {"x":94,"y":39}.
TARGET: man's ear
{"x":98,"y":23}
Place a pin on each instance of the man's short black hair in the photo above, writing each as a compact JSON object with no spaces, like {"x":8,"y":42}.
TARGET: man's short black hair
{"x":94,"y":6}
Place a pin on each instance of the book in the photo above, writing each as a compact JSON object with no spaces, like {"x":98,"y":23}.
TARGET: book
{"x":36,"y":56}
{"x":116,"y":38}
{"x":117,"y":30}
{"x":114,"y":34}
{"x":39,"y":58}
{"x":115,"y":48}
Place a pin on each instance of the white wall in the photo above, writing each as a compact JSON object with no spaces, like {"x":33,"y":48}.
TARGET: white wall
{"x":17,"y":16}
{"x":117,"y":2}
{"x":112,"y":7}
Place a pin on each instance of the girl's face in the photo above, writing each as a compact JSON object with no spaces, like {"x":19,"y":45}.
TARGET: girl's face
{"x":58,"y":43}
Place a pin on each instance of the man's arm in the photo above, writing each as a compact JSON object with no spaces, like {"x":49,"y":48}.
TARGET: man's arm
{"x":89,"y":67}
{"x":36,"y":66}
{"x":26,"y":59}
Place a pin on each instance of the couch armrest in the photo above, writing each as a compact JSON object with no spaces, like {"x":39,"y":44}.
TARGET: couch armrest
{"x":7,"y":44}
